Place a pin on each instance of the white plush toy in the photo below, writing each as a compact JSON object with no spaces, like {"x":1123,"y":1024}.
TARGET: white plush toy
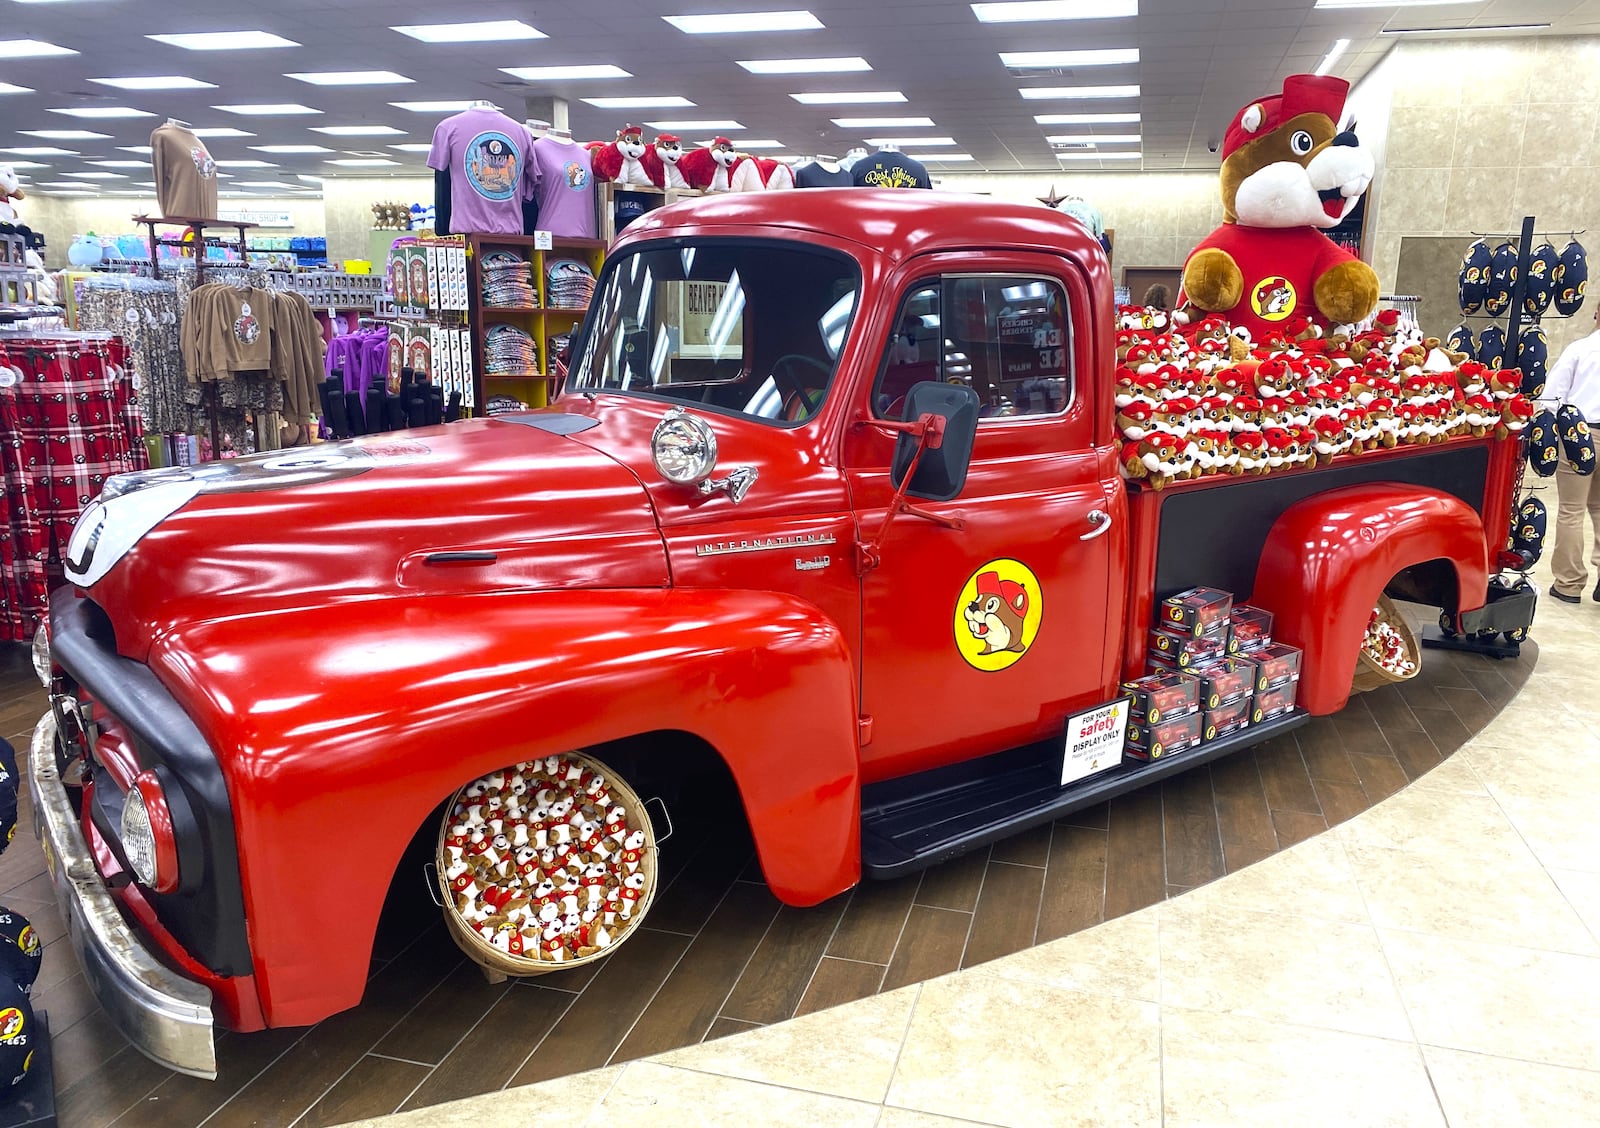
{"x":10,"y":189}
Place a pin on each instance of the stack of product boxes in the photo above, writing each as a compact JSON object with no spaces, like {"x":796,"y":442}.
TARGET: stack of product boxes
{"x":1214,"y":670}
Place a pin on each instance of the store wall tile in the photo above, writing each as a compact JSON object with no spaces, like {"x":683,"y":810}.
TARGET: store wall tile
{"x":1551,"y":130}
{"x":1422,"y":136}
{"x":1411,"y":200}
{"x":1568,"y":70}
{"x":1488,"y":136}
{"x":1479,"y":198}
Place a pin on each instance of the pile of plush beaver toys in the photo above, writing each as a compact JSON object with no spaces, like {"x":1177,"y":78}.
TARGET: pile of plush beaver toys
{"x":20,"y":952}
{"x":1207,"y":399}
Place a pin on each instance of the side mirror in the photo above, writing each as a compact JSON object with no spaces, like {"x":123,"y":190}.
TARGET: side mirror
{"x":942,"y":470}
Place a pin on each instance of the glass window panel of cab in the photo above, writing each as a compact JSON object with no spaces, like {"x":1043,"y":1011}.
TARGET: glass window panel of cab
{"x":1008,"y":337}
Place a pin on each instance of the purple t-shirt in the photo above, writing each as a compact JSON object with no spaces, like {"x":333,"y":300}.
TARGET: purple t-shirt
{"x":565,"y":183}
{"x":486,"y":156}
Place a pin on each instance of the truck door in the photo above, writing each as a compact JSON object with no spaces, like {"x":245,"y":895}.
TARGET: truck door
{"x":986,"y":637}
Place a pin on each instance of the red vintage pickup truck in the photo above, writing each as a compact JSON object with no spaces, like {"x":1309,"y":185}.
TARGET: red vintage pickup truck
{"x":831,"y":493}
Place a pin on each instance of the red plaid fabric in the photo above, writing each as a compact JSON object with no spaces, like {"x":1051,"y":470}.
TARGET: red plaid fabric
{"x":68,"y":421}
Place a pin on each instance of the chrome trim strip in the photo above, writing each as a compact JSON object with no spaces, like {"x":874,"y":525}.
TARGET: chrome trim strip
{"x":763,"y":544}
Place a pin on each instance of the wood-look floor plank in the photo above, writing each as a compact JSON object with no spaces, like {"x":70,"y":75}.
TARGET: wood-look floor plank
{"x":1359,"y":731}
{"x":1030,"y":848}
{"x":1419,"y":693}
{"x":777,"y":976}
{"x":1340,"y":801}
{"x":103,"y":1093}
{"x":873,"y":920}
{"x":955,"y":884}
{"x":1192,"y":842}
{"x":840,"y":981}
{"x":1415,"y":752}
{"x":375,"y":1086}
{"x":1007,"y":915}
{"x":1284,"y":777}
{"x":1469,"y":707}
{"x":931,"y":945}
{"x":1322,"y":748}
{"x":684,"y":905}
{"x":1240,"y":854}
{"x":1074,"y":895}
{"x":1097,"y":817}
{"x":492,"y":1052}
{"x":1243,"y":816}
{"x":1294,"y":827}
{"x":1381,"y":776}
{"x":181,"y":1100}
{"x":443,"y":1016}
{"x":1444,"y":728}
{"x":724,"y":1027}
{"x":1390,"y":710}
{"x":1135,"y":871}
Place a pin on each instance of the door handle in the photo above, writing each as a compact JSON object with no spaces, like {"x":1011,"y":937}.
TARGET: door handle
{"x":1101,"y":520}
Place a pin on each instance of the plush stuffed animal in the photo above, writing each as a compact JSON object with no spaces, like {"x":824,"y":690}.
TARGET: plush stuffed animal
{"x":662,"y":162}
{"x":10,"y":189}
{"x":1288,"y":174}
{"x":620,"y":162}
{"x":760,"y":174}
{"x":708,"y":169}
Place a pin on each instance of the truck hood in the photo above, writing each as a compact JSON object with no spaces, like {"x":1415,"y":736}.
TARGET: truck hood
{"x":476,"y":506}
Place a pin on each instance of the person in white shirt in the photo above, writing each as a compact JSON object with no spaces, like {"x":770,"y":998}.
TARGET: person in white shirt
{"x":1575,"y":379}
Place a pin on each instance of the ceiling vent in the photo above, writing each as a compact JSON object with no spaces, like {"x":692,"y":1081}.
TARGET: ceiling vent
{"x":1040,"y":72}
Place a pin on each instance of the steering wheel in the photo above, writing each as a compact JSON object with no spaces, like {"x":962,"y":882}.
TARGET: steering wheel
{"x":794,"y":392}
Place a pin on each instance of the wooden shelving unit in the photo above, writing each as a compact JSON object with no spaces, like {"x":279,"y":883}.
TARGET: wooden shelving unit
{"x":534,"y":388}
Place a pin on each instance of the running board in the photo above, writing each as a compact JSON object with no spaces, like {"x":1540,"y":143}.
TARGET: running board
{"x":921,"y":820}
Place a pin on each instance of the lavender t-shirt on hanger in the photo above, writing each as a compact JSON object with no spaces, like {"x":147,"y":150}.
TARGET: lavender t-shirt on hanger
{"x":565,"y":182}
{"x":486,"y":156}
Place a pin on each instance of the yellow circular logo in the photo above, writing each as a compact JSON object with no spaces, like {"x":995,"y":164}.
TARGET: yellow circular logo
{"x":1273,"y":298}
{"x":998,"y":615}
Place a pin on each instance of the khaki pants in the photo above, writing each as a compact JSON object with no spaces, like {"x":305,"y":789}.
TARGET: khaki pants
{"x":1577,"y":494}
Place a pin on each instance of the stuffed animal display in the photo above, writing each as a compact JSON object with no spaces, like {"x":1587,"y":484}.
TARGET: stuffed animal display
{"x":719,"y":167}
{"x":10,"y":189}
{"x":1288,"y":175}
{"x":1206,"y":399}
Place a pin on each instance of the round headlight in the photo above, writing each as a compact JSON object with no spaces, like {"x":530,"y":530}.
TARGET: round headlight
{"x":138,"y":839}
{"x":41,"y":655}
{"x":684,"y":448}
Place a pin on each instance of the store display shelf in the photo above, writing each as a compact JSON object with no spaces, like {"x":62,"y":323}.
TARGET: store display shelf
{"x":532,"y":374}
{"x":488,"y":309}
{"x":570,"y":311}
{"x":911,"y":823}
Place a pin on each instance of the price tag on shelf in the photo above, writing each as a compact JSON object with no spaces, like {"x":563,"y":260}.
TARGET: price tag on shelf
{"x":543,"y":241}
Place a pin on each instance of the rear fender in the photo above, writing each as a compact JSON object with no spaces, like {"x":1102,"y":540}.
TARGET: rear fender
{"x":342,"y":728}
{"x":1328,"y":558}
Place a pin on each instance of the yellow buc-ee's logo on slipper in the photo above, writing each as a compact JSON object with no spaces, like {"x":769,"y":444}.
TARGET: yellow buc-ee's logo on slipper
{"x":998,"y":615}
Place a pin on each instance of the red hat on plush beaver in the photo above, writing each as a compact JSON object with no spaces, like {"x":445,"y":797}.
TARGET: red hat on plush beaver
{"x":1302,"y":94}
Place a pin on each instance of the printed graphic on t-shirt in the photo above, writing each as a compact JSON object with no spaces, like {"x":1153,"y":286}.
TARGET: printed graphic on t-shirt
{"x":493,"y":165}
{"x":577,"y":176}
{"x":891,"y":178}
{"x":1273,"y":298}
{"x":203,"y":162}
{"x":247,"y":329}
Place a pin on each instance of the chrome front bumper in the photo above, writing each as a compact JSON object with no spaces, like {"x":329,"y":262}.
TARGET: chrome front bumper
{"x":166,"y":1016}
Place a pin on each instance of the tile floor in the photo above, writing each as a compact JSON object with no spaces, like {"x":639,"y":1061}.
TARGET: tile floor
{"x":1145,"y":997}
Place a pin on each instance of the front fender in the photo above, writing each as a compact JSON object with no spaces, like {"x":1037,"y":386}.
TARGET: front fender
{"x":340,"y":729}
{"x":1328,"y":558}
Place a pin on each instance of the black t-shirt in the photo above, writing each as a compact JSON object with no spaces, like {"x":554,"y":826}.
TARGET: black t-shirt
{"x":889,"y":170}
{"x":814,"y":175}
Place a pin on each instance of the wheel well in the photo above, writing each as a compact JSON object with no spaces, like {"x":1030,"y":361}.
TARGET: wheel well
{"x":1432,"y":583}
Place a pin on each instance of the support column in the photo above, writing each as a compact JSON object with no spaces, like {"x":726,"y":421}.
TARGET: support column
{"x":545,"y":107}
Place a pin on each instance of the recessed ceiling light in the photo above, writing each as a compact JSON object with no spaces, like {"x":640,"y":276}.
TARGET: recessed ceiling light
{"x":350,"y":78}
{"x":121,"y":164}
{"x":291,"y":149}
{"x":941,"y":158}
{"x":1331,"y":57}
{"x":1030,"y":10}
{"x":488,"y":31}
{"x":711,"y":126}
{"x":264,"y":184}
{"x":574,"y":71}
{"x":245,"y":164}
{"x":1086,"y":119}
{"x":267,"y":109}
{"x":805,"y":66}
{"x":308,"y":179}
{"x":1478,"y":29}
{"x":1383,"y":3}
{"x":30,"y":49}
{"x":729,"y":22}
{"x":432,"y":107}
{"x":26,"y":164}
{"x":145,"y":149}
{"x":848,"y":97}
{"x":413,"y":147}
{"x":760,"y":143}
{"x":1088,"y":139}
{"x":359,"y":130}
{"x":221,"y":131}
{"x":40,"y":151}
{"x":1098,"y":156}
{"x":99,"y":175}
{"x":157,"y":82}
{"x":1109,"y":57}
{"x":362,"y":162}
{"x":8,"y":88}
{"x":225,"y":41}
{"x":64,"y":184}
{"x":1034,"y":93}
{"x":66,"y":134}
{"x":641,"y":102}
{"x":884,"y":123}
{"x":101,"y":112}
{"x":902,"y":142}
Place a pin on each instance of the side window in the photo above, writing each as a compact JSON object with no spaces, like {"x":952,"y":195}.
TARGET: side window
{"x":1007,"y":337}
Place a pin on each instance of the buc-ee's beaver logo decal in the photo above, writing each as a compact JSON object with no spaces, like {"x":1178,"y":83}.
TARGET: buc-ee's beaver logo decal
{"x":1274,"y":298}
{"x":998,"y":615}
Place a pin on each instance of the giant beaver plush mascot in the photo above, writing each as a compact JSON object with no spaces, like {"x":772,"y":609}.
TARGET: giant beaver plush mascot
{"x":1288,"y":174}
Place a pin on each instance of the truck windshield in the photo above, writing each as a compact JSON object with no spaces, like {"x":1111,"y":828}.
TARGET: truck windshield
{"x":735,"y":326}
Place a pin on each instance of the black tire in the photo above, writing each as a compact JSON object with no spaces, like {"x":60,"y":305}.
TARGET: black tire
{"x":1447,"y":625}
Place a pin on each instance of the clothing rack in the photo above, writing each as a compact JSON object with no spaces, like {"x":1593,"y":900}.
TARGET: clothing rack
{"x":195,"y":230}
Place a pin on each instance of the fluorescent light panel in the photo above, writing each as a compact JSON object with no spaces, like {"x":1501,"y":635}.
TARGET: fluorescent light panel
{"x":486,"y":31}
{"x":359,"y":130}
{"x":727,"y":23}
{"x":1033,"y":10}
{"x":566,"y":73}
{"x":291,"y":149}
{"x":413,"y":147}
{"x":8,"y":88}
{"x":1110,"y":57}
{"x":225,"y":41}
{"x":884,"y":123}
{"x":221,"y":131}
{"x":98,"y":175}
{"x":1098,"y":156}
{"x":711,"y":126}
{"x":806,"y":66}
{"x":31,"y":49}
{"x":362,"y":162}
{"x":121,"y":164}
{"x":941,"y":158}
{"x":40,"y":151}
{"x":1332,"y":56}
{"x":641,"y":102}
{"x":145,"y":149}
{"x":1384,"y":3}
{"x":1036,"y":93}
{"x":432,"y":107}
{"x":1492,"y":29}
{"x":1087,"y":139}
{"x":101,"y":112}
{"x":760,"y":143}
{"x":66,"y":134}
{"x":1086,"y":119}
{"x":247,"y":164}
{"x":268,"y":109}
{"x":156,"y":82}
{"x":904,"y":142}
{"x":849,"y":97}
{"x":350,"y":78}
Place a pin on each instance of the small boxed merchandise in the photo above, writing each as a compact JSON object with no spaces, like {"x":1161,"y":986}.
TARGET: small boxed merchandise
{"x":1275,"y":702}
{"x":1175,"y":651}
{"x":1225,"y":681}
{"x":1198,"y":611}
{"x":1276,"y":664}
{"x":1226,"y":719}
{"x":1249,"y":628}
{"x":1163,"y":738}
{"x":1159,"y":696}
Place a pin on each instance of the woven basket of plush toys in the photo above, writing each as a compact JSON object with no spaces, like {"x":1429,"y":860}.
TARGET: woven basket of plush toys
{"x":1389,"y":652}
{"x":545,"y":865}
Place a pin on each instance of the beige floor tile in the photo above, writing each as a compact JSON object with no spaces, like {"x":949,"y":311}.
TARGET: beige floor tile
{"x":1307,"y":970}
{"x":512,"y":1108}
{"x":1117,"y":958}
{"x":1502,"y":897}
{"x":1432,"y":822}
{"x":1498,"y":999}
{"x":1534,"y":771}
{"x":1455,"y":775}
{"x":1227,"y":1071}
{"x":664,"y":1097}
{"x":847,"y":1051}
{"x":1478,"y":1091}
{"x":1562,"y":833}
{"x":905,"y":1118}
{"x":1582,"y":891}
{"x":1312,"y":879}
{"x":1025,"y":1054}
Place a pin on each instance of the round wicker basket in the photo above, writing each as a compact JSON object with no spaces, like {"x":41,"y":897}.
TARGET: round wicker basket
{"x":496,"y":960}
{"x":1370,"y":673}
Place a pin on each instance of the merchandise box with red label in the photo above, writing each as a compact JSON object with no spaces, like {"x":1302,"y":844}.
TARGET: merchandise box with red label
{"x":1249,"y":628}
{"x":1159,"y":696}
{"x":1170,"y":651}
{"x":1225,"y":681}
{"x":1196,"y":612}
{"x":1164,"y":738}
{"x":1226,"y":719}
{"x":1276,"y":664}
{"x":1276,"y":702}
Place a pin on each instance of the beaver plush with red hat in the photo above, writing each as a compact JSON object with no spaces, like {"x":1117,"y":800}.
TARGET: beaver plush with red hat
{"x":1288,"y":174}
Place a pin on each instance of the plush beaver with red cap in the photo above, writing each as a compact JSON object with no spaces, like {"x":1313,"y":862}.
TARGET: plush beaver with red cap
{"x":1288,"y":174}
